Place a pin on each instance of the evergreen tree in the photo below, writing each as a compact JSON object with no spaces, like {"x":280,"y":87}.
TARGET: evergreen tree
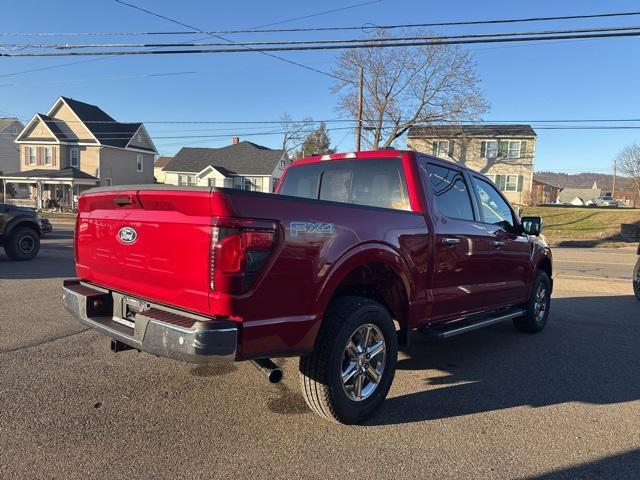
{"x":316,"y":142}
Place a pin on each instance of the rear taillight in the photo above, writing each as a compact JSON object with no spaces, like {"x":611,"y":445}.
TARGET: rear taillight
{"x":238,"y":254}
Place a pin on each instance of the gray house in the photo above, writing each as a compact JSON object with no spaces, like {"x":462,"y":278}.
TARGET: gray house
{"x":10,"y":128}
{"x":242,"y":165}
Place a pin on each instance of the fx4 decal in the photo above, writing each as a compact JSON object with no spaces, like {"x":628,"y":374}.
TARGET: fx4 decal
{"x":298,"y":228}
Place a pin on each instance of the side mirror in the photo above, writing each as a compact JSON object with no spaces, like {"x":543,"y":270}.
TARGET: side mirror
{"x":532,"y":225}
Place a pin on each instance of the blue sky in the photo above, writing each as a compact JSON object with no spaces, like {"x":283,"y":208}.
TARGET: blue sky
{"x":569,"y":79}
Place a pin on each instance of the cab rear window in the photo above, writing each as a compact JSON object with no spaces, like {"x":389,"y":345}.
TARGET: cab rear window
{"x":374,"y":183}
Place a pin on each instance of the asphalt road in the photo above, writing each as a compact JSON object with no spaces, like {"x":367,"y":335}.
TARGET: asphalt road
{"x":491,"y":404}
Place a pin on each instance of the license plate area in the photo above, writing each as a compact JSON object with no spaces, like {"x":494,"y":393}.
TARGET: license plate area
{"x":130,"y":308}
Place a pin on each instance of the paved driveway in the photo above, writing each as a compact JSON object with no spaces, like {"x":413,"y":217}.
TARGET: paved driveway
{"x":491,"y":404}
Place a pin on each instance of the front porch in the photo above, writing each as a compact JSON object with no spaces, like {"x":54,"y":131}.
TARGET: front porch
{"x":49,"y":190}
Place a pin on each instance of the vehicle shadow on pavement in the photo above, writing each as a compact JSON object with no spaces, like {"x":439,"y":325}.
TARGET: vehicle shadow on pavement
{"x":588,"y":353}
{"x":622,"y":466}
{"x":48,"y":264}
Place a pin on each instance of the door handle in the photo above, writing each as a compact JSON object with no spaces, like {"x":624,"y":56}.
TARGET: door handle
{"x":451,"y":241}
{"x":497,"y":244}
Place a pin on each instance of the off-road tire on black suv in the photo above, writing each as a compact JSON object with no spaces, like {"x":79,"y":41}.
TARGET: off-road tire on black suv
{"x":321,"y":371}
{"x":534,"y":320}
{"x":23,"y":244}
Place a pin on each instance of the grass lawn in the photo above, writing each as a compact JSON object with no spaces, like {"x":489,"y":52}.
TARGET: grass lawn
{"x":600,"y":226}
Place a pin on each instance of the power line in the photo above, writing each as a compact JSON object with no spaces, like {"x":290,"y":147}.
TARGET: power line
{"x":321,"y":42}
{"x":368,"y":27}
{"x":67,"y":64}
{"x":326,"y":12}
{"x":247,"y":48}
{"x":369,"y":45}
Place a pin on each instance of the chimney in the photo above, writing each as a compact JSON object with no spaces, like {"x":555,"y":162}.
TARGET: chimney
{"x":235,"y":140}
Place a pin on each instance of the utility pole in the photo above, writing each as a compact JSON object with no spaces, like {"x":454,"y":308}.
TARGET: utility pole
{"x":615,"y":168}
{"x":359,"y":120}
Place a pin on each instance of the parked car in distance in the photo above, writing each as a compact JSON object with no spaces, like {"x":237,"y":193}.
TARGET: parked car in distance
{"x":20,"y":232}
{"x":605,"y":201}
{"x":636,"y":277}
{"x":353,"y":253}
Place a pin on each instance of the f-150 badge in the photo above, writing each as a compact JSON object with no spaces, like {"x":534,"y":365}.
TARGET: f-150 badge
{"x":300,"y":228}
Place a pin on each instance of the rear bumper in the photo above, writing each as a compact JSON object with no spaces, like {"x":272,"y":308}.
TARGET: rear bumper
{"x":158,"y":330}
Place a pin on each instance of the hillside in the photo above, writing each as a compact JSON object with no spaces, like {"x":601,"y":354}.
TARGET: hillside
{"x":583,"y":180}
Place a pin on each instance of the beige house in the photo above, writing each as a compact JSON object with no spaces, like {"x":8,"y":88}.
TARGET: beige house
{"x":158,"y":169}
{"x":504,"y":153}
{"x":76,"y":146}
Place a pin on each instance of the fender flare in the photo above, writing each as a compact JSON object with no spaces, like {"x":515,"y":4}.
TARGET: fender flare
{"x":357,"y":257}
{"x":20,"y":221}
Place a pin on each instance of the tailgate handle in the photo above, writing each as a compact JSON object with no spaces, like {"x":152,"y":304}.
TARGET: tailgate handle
{"x":121,"y":202}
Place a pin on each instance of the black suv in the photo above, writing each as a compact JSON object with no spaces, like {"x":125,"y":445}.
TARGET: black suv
{"x":20,"y":232}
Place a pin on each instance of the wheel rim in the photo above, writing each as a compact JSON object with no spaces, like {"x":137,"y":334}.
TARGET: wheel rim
{"x":540,"y":305}
{"x":363,"y":362}
{"x":26,"y":244}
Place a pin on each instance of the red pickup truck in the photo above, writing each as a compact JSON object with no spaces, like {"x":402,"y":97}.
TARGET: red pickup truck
{"x":353,"y":253}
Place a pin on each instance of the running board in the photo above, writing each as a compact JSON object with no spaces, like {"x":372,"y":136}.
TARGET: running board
{"x":452,"y":329}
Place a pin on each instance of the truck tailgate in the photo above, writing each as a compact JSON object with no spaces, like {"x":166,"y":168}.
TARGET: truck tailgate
{"x":154,"y":244}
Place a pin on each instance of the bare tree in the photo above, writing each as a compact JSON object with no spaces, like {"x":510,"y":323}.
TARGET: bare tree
{"x":629,"y":163}
{"x":294,"y":133}
{"x":404,"y":86}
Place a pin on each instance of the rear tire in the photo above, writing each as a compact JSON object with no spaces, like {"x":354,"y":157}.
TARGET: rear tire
{"x":23,"y":244}
{"x":358,"y":343}
{"x":538,"y":307}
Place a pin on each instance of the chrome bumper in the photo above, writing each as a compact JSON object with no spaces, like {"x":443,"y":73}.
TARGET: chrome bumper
{"x":158,"y":330}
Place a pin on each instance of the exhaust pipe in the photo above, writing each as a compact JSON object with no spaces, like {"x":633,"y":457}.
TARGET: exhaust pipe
{"x":271,"y":370}
{"x":118,"y":346}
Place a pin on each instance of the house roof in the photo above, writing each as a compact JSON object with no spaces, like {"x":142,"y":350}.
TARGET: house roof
{"x":45,"y":173}
{"x":162,"y":162}
{"x":105,"y":128}
{"x":568,"y":194}
{"x":5,"y":122}
{"x":538,"y":179}
{"x":428,"y":131}
{"x":242,"y":158}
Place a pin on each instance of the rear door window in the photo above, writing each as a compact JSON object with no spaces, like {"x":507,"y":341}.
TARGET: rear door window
{"x":370,"y":182}
{"x":450,"y":191}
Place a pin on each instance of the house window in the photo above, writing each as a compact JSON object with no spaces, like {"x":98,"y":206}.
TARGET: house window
{"x":238,"y":182}
{"x":491,"y":149}
{"x":74,"y":157}
{"x":107,"y":182}
{"x":511,"y":183}
{"x":31,"y":151}
{"x":514,"y":149}
{"x":139,"y":161}
{"x":186,"y":180}
{"x":442,"y":148}
{"x":248,"y":184}
{"x":491,"y":177}
{"x":48,"y":155}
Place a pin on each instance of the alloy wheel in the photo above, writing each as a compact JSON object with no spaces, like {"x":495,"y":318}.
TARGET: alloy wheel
{"x":363,"y":362}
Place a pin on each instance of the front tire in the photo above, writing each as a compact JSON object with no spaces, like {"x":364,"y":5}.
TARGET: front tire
{"x":350,"y":371}
{"x":636,"y":280}
{"x":538,"y":307}
{"x":23,"y":244}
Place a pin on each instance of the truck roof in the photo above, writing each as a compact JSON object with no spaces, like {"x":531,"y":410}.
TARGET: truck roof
{"x":368,"y":154}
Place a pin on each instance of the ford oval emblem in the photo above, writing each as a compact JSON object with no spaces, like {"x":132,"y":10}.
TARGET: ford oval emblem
{"x":127,"y":235}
